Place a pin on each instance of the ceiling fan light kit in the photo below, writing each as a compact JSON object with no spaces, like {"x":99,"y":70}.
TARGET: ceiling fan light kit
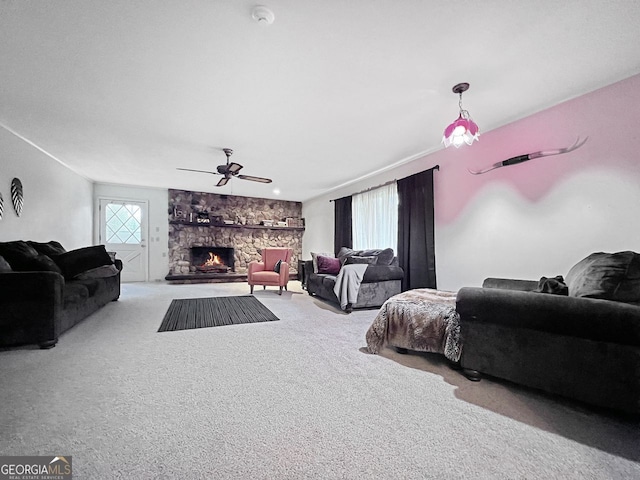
{"x":463,"y":129}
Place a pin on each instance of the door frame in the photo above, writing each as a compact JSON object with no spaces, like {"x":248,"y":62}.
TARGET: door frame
{"x":144,"y":224}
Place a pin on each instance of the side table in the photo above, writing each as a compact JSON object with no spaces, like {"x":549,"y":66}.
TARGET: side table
{"x":302,"y":274}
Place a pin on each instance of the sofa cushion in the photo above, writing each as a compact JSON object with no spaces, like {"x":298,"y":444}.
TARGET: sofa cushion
{"x":384,"y":256}
{"x":16,"y":252}
{"x":99,"y":272}
{"x":609,"y":276}
{"x":4,"y":265}
{"x":40,"y":263}
{"x":357,"y":259}
{"x":77,"y":261}
{"x":328,"y":265}
{"x":48,"y":248}
{"x":382,"y":273}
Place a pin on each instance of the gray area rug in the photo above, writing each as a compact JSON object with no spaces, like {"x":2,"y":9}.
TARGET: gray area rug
{"x":188,"y":313}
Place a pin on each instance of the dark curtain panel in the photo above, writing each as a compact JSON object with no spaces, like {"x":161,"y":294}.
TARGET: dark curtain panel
{"x":342,"y":232}
{"x":416,"y":244}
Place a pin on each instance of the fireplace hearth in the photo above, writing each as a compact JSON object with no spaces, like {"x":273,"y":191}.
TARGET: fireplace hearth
{"x":212,"y":259}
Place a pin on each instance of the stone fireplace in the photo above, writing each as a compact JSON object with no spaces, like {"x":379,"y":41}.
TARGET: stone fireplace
{"x":237,"y":227}
{"x":212,"y":259}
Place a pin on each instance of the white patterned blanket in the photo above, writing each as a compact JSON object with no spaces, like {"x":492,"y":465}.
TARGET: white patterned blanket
{"x":423,"y":319}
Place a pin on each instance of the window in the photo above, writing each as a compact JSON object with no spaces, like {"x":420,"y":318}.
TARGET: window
{"x":123,"y":223}
{"x":375,"y":218}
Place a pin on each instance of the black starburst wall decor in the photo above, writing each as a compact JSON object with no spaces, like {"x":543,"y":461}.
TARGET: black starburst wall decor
{"x":17,"y":195}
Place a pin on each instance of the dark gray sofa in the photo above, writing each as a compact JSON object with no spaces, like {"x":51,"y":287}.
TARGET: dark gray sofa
{"x":584,"y":345}
{"x":380,"y":282}
{"x":44,"y":290}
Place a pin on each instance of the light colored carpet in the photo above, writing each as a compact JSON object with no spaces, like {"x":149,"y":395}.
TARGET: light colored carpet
{"x":294,"y":399}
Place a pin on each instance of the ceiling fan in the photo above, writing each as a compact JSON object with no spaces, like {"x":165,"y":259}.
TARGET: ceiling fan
{"x":229,"y":170}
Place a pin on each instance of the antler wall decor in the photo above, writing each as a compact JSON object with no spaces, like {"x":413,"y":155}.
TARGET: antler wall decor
{"x":530,"y":156}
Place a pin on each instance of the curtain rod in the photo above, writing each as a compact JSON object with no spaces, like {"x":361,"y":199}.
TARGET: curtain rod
{"x":437,"y":167}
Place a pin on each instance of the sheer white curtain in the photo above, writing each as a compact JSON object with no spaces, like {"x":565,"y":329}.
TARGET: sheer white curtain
{"x":375,"y":218}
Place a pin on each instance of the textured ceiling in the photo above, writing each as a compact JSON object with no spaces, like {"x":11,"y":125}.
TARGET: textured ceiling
{"x":126,"y":91}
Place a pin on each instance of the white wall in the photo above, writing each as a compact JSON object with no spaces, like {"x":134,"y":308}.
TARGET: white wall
{"x":534,"y":219}
{"x":57,"y":202}
{"x":158,"y":227}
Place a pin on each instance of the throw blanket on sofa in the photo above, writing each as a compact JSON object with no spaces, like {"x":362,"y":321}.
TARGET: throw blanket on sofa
{"x":423,"y":319}
{"x":348,"y":283}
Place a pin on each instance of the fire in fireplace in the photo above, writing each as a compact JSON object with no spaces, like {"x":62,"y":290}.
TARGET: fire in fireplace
{"x":212,"y":259}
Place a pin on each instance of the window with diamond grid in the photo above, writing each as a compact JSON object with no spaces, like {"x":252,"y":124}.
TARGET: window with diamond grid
{"x":123,"y":223}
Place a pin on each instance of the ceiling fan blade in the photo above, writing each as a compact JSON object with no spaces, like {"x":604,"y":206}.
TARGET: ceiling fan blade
{"x":255,"y":179}
{"x":192,"y":170}
{"x":223,"y":181}
{"x":234,"y":167}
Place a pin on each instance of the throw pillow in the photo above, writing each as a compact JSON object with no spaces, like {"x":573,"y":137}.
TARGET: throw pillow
{"x":4,"y":266}
{"x":328,"y":265}
{"x":314,"y":257}
{"x":48,"y":248}
{"x":554,"y":286}
{"x":354,"y":259}
{"x":40,"y":263}
{"x":610,"y":276}
{"x":276,"y":267}
{"x":77,"y":261}
{"x":16,"y":251}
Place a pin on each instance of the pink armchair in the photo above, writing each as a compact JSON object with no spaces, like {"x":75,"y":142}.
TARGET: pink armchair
{"x":263,"y":273}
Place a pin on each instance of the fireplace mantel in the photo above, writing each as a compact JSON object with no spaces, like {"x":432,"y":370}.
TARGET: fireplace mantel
{"x":209,"y":225}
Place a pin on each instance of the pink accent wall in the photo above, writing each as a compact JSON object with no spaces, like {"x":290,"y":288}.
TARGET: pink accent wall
{"x":609,"y":117}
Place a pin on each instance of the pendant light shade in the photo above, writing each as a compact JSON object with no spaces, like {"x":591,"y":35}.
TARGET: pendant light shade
{"x":463,"y":129}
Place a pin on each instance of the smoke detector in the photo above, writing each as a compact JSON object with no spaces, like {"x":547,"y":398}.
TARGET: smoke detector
{"x":263,"y":15}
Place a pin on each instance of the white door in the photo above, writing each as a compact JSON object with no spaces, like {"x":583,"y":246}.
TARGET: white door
{"x":123,"y":229}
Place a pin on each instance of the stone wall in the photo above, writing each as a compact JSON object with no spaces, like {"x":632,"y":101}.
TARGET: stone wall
{"x":245,"y":235}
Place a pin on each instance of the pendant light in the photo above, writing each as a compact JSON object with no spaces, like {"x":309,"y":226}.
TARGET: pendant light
{"x":463,"y":129}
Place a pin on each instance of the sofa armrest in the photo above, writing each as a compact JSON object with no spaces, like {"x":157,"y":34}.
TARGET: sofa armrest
{"x":255,"y":266}
{"x":31,"y":304}
{"x":510,"y":284}
{"x":284,"y":273}
{"x":593,"y":319}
